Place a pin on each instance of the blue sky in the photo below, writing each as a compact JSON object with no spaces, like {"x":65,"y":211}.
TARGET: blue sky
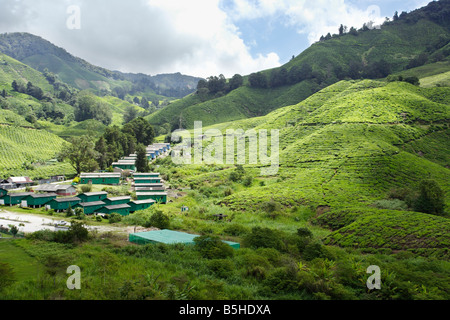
{"x":194,"y":37}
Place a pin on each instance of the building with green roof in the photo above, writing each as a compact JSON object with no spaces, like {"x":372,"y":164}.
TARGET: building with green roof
{"x":138,"y":205}
{"x":108,"y":178}
{"x":90,"y":207}
{"x":13,"y":199}
{"x":38,"y":200}
{"x":122,"y":209}
{"x":93,"y":196}
{"x":169,"y":237}
{"x":62,"y":204}
{"x":117,"y":200}
{"x":157,"y":196}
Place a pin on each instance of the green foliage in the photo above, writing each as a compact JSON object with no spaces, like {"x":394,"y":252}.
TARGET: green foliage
{"x":159,"y":220}
{"x":7,"y":275}
{"x":430,"y":199}
{"x":114,"y":218}
{"x":81,"y":154}
{"x":86,"y":188}
{"x":263,"y":238}
{"x":142,"y":164}
{"x":211,"y":247}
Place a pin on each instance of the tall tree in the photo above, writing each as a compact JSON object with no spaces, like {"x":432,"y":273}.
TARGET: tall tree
{"x":142,"y":164}
{"x":141,"y":129}
{"x":130,"y":114}
{"x":81,"y":154}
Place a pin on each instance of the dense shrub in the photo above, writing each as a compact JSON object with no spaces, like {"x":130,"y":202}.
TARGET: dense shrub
{"x":264,"y":238}
{"x":221,"y":268}
{"x":391,"y":204}
{"x":159,"y":220}
{"x":211,"y":247}
{"x":430,"y":199}
{"x":114,"y":217}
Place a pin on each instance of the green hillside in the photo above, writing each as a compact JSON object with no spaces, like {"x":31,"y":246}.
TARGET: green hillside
{"x":26,"y":152}
{"x":419,"y":38}
{"x":11,"y":69}
{"x":42,"y":55}
{"x":347,"y":147}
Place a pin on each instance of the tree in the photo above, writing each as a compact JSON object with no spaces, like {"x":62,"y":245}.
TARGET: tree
{"x":130,"y":114}
{"x":4,"y":94}
{"x":258,"y":80}
{"x":395,"y":16}
{"x":159,"y":220}
{"x":141,"y":129}
{"x":144,"y":103}
{"x":136,"y":100}
{"x":89,"y":106}
{"x":142,"y":164}
{"x":341,"y":30}
{"x":81,"y":154}
{"x":430,"y":199}
{"x":14,"y":230}
{"x":236,"y":81}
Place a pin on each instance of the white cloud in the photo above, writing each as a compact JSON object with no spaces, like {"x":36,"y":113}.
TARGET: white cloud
{"x":193,"y":37}
{"x":314,"y":18}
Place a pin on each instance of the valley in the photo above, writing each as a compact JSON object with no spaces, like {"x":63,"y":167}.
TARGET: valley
{"x":362,"y":172}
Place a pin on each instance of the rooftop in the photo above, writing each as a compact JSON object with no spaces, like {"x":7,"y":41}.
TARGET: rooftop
{"x":90,"y":204}
{"x":67,"y":199}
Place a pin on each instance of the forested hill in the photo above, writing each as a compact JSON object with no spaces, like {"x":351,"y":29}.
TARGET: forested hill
{"x":42,"y":55}
{"x":407,"y":41}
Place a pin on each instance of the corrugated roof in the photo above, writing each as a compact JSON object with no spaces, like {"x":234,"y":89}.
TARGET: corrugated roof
{"x":20,"y":194}
{"x":172,"y":237}
{"x":90,"y":204}
{"x":43,"y":195}
{"x":53,"y":187}
{"x":117,"y":206}
{"x":143,"y":201}
{"x":118,"y":199}
{"x":67,"y":199}
{"x":91,"y":194}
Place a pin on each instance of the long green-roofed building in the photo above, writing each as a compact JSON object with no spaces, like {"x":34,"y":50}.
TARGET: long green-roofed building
{"x":38,"y":200}
{"x":13,"y":199}
{"x":109,"y":178}
{"x":90,"y":207}
{"x":122,"y":209}
{"x":93,"y":196}
{"x":138,"y":205}
{"x":157,"y":196}
{"x":169,"y":237}
{"x":117,"y":200}
{"x":62,"y":204}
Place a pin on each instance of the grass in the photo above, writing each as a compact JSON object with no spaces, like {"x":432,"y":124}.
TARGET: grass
{"x":24,"y":266}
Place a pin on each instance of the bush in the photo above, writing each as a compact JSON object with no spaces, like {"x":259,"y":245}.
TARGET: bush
{"x":114,"y":217}
{"x":392,"y":204}
{"x":430,"y":199}
{"x":86,"y":188}
{"x":159,"y":220}
{"x":247,"y":181}
{"x":211,"y":247}
{"x":221,"y":268}
{"x":264,"y":238}
{"x":235,"y":230}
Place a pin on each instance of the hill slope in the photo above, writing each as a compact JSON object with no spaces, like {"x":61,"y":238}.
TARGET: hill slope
{"x":40,"y":54}
{"x":419,"y":37}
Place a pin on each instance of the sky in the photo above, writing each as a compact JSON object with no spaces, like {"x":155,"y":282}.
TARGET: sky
{"x":194,"y":37}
